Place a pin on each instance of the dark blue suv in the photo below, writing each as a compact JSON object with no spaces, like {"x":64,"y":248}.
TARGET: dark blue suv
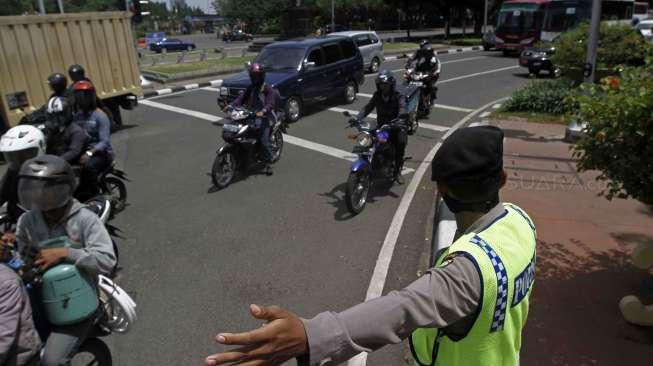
{"x":305,"y":71}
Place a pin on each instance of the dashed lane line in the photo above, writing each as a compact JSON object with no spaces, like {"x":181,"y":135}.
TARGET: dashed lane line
{"x":372,"y":115}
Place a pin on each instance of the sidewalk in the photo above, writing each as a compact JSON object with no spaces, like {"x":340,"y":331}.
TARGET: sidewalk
{"x":583,"y":264}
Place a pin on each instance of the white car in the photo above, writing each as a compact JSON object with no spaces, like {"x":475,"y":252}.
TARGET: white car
{"x":645,"y":27}
{"x":369,"y":44}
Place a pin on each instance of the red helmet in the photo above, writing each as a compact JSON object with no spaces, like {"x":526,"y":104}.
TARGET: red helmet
{"x":256,"y":74}
{"x":83,"y":85}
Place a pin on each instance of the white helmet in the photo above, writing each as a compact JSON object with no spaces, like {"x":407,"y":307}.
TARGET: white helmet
{"x":22,"y":143}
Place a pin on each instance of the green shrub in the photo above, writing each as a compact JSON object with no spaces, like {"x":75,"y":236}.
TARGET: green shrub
{"x":618,"y":45}
{"x":619,"y":140}
{"x":548,"y":96}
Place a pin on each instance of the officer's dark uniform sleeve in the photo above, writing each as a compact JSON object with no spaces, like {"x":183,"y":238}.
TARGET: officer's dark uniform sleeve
{"x":441,"y":297}
{"x":369,"y":107}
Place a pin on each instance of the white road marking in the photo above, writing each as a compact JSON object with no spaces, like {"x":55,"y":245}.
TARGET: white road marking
{"x":210,"y":88}
{"x":457,"y":109}
{"x":485,"y":114}
{"x":496,"y":106}
{"x":365,"y":95}
{"x":477,"y":74}
{"x":324,"y":149}
{"x":372,"y":115}
{"x":188,"y":112}
{"x":443,"y":63}
{"x":377,"y":282}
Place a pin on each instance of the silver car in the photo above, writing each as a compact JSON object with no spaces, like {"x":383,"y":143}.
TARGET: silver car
{"x":369,"y":44}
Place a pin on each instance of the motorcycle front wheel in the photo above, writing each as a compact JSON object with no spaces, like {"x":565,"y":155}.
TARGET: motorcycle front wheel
{"x":412,"y":123}
{"x":117,"y":192}
{"x":358,"y":186}
{"x":224,"y":169}
{"x":93,"y":352}
{"x":276,"y":144}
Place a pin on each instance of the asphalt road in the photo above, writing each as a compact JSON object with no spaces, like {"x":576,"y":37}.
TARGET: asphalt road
{"x":194,"y":258}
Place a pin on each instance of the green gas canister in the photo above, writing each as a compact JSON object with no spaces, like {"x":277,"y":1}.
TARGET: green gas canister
{"x":68,"y":296}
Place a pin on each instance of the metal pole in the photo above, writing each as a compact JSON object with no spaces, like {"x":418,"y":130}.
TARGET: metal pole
{"x":333,"y":16}
{"x":41,"y":7}
{"x":60,"y":3}
{"x":592,"y":44}
{"x":485,"y":19}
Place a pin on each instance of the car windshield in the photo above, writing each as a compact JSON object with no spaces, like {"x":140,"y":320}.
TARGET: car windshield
{"x":277,"y":58}
{"x":560,"y":18}
{"x":517,"y":18}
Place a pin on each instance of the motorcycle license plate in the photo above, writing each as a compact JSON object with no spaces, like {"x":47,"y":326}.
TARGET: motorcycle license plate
{"x":231,"y":128}
{"x":416,"y":83}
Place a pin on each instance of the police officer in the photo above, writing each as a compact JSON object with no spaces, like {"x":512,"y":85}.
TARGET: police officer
{"x":470,"y":309}
{"x":389,"y":105}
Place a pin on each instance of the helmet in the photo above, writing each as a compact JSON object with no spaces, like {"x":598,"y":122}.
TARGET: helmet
{"x":256,"y":73}
{"x":58,"y":83}
{"x":85,"y":97}
{"x":21,"y":143}
{"x":45,"y":183}
{"x":76,"y":73}
{"x":385,"y":77}
{"x":425,"y":48}
{"x":60,"y":112}
{"x":423,"y":43}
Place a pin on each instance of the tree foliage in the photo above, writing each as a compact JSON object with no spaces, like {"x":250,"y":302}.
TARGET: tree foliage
{"x":619,"y":113}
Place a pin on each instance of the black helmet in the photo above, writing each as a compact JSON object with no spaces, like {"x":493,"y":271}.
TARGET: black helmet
{"x":76,"y":73}
{"x":45,"y":183}
{"x":425,"y":48}
{"x":256,"y":74}
{"x":59,"y":111}
{"x":58,"y":83}
{"x":423,"y":43}
{"x":385,"y":77}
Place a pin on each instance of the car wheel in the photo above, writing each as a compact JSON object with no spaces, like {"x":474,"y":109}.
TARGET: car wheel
{"x":507,"y":53}
{"x":293,"y":109}
{"x":350,"y":92}
{"x":374,"y":65}
{"x":486,"y":48}
{"x":533,"y":71}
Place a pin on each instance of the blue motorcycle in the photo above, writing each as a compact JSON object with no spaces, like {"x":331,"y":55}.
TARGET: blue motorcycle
{"x":376,"y":160}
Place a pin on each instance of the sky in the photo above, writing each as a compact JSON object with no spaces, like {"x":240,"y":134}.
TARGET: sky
{"x":205,"y":5}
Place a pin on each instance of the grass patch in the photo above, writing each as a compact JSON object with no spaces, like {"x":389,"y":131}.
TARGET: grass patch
{"x":534,"y":117}
{"x":400,"y":46}
{"x":213,"y":65}
{"x":466,"y":42}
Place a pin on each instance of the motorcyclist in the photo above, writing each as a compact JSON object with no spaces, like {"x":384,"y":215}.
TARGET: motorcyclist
{"x":45,"y":189}
{"x":65,"y":138}
{"x":389,"y":105}
{"x":18,"y":145}
{"x":58,"y":84}
{"x":260,"y":97}
{"x":425,"y":61}
{"x":99,"y":153}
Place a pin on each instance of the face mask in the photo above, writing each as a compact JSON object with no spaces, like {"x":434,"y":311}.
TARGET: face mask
{"x":457,"y":206}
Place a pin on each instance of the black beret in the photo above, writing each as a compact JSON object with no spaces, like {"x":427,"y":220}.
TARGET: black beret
{"x":472,"y":154}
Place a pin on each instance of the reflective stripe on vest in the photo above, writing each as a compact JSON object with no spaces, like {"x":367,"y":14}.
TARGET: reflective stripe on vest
{"x":504,"y":254}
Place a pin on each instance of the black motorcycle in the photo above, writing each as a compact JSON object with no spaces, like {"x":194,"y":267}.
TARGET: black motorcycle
{"x":376,"y":160}
{"x":242,"y":146}
{"x":425,"y":81}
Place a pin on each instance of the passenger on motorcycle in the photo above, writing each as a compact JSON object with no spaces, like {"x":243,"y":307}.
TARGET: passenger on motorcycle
{"x":58,"y":84}
{"x":389,"y":105}
{"x":425,"y":61}
{"x":260,"y":97}
{"x":18,"y":145}
{"x":65,"y":138}
{"x":99,"y":154}
{"x":45,"y":189}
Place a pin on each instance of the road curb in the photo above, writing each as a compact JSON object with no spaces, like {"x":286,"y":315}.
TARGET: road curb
{"x":176,"y":89}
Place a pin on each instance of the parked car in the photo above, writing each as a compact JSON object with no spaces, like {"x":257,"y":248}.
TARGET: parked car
{"x":169,"y":44}
{"x":370,"y":46}
{"x":489,"y":41}
{"x":304,"y":71}
{"x":645,"y":28}
{"x":538,"y":58}
{"x":237,"y":35}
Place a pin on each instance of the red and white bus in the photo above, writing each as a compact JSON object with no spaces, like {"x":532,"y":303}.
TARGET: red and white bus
{"x":522,"y":23}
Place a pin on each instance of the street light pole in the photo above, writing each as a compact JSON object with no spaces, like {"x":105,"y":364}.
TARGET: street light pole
{"x":592,"y":44}
{"x":333,"y":16}
{"x":41,"y":7}
{"x":485,"y":19}
{"x":60,"y":3}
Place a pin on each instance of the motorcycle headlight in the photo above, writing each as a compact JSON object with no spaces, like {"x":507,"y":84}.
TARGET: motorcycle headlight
{"x":237,"y":115}
{"x":364,"y":139}
{"x":224,"y":90}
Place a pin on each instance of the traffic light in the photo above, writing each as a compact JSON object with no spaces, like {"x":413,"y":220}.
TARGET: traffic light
{"x":135,"y":7}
